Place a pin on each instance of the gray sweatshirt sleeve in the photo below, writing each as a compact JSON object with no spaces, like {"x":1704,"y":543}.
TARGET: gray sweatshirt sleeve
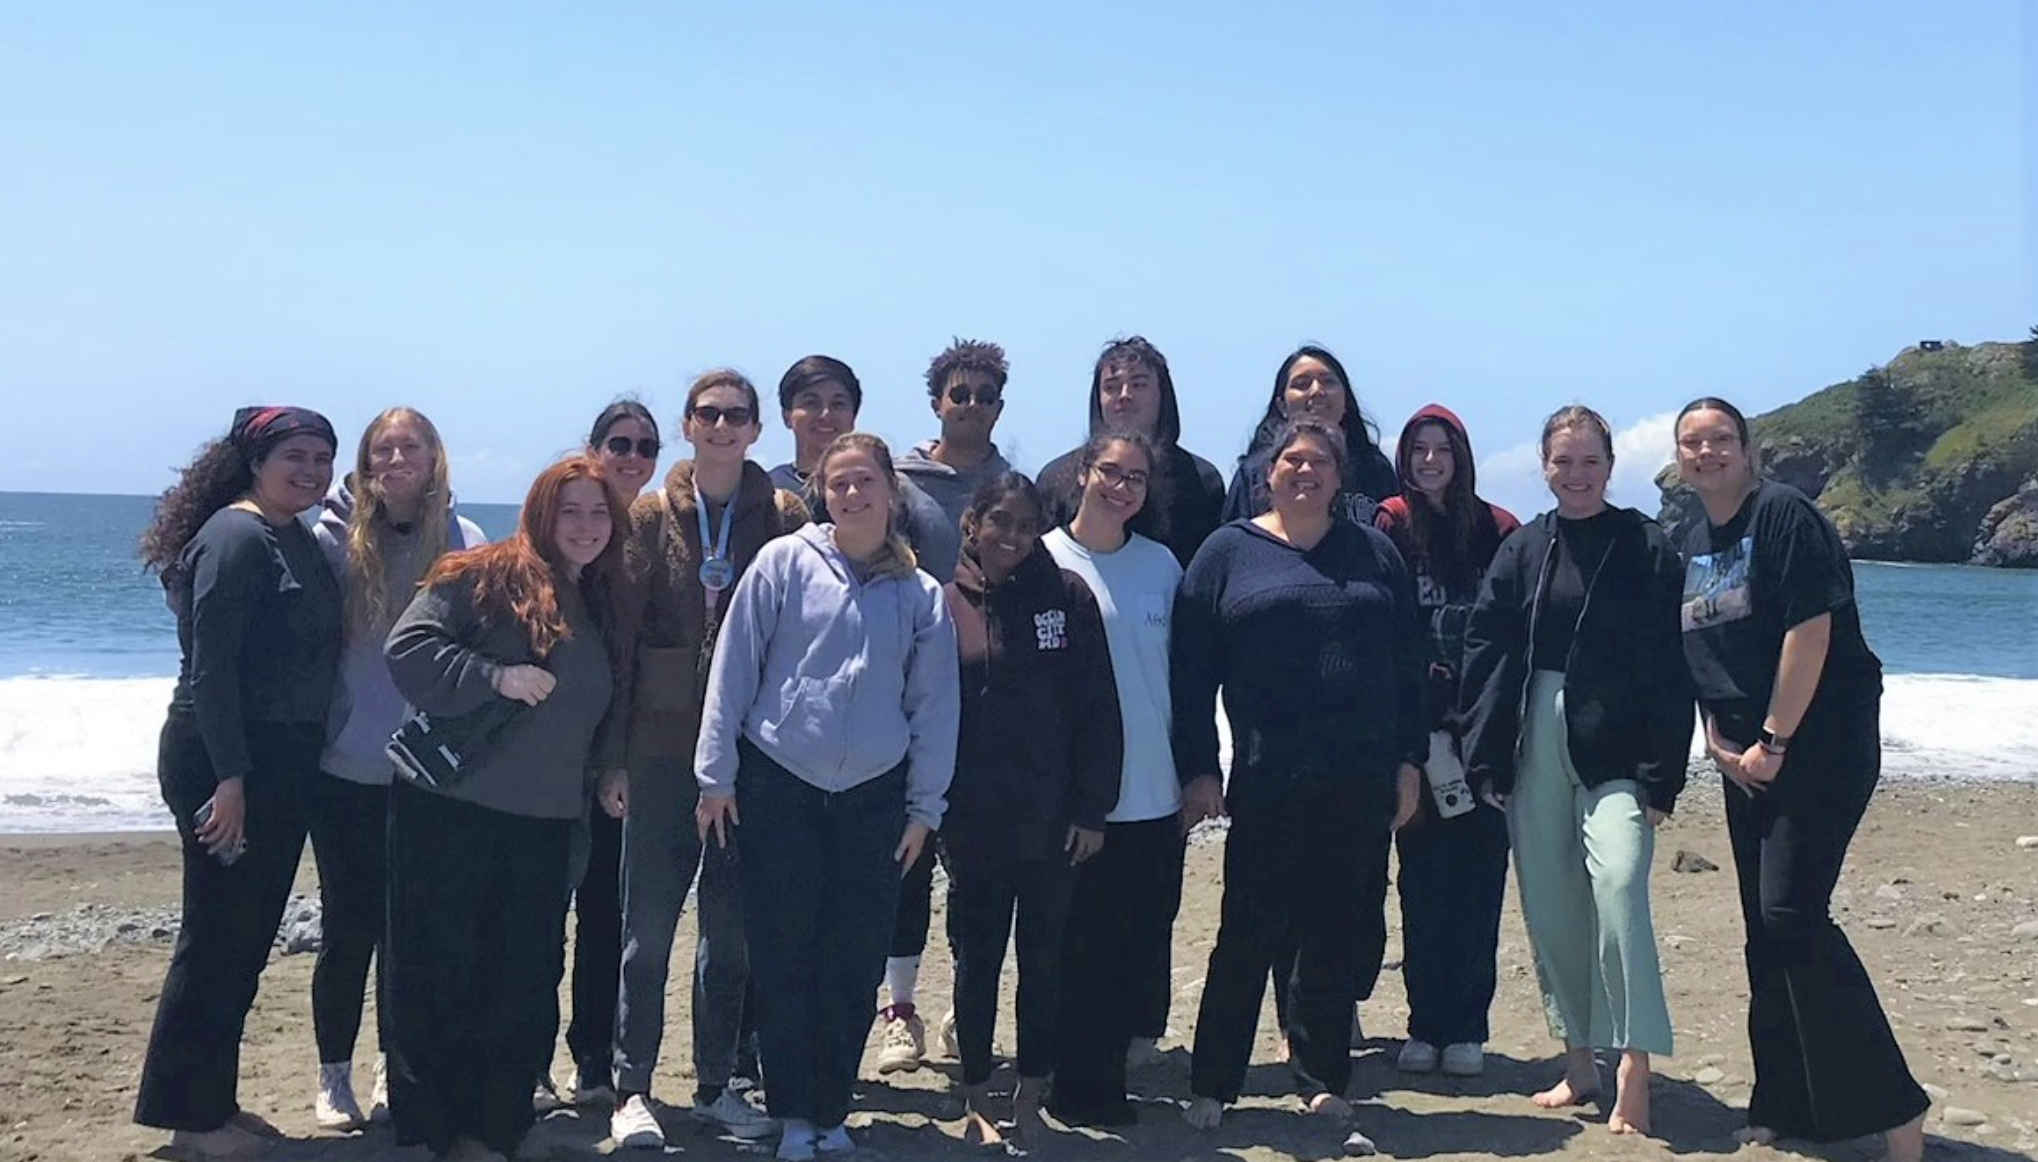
{"x":933,"y":704}
{"x":432,"y":667}
{"x":738,"y":670}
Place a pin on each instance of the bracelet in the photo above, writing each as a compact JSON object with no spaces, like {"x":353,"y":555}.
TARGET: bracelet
{"x":1771,"y":741}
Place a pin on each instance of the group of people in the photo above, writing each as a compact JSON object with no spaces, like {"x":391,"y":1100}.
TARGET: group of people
{"x":786,"y":693}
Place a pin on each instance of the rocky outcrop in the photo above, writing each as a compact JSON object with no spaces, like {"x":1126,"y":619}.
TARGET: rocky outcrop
{"x":2009,"y":533}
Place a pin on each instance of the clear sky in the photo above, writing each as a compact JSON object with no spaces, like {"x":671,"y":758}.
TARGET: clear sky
{"x":506,"y":214}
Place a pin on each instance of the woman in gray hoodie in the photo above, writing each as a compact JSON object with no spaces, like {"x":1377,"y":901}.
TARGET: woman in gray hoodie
{"x":829,"y":736}
{"x":380,"y":541}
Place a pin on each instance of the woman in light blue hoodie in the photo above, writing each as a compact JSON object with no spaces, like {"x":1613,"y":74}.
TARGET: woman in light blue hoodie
{"x":380,"y":542}
{"x":829,"y":736}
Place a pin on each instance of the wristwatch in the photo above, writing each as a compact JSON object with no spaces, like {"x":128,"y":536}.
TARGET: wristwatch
{"x":1771,"y":741}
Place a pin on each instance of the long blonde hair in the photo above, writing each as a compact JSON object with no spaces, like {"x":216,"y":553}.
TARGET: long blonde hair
{"x":368,"y":607}
{"x":895,"y":557}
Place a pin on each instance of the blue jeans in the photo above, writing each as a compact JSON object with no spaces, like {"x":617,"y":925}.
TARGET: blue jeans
{"x":819,"y":891}
{"x":661,"y":851}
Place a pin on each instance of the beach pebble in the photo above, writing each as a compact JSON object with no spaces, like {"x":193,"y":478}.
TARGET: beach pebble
{"x":1967,"y":1025}
{"x":2027,"y":842}
{"x":2028,"y":930}
{"x":1691,"y":861}
{"x":1889,"y":893}
{"x":1932,"y":925}
{"x":1962,"y":1116}
{"x":1938,"y":1093}
{"x":1709,"y":1076}
{"x":1880,"y":922}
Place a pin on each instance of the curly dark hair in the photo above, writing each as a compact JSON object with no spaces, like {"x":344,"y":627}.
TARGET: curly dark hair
{"x":966,"y":355}
{"x":216,"y":477}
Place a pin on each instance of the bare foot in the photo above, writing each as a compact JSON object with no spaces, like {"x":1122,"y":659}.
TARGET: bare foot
{"x":1566,"y":1093}
{"x":979,"y":1126}
{"x":1755,"y":1136}
{"x":1204,"y":1113}
{"x":1906,"y":1143}
{"x":1631,"y":1095}
{"x":1329,"y":1105}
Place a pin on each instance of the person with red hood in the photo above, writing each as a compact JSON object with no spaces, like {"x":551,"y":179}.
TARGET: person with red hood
{"x":1454,"y":859}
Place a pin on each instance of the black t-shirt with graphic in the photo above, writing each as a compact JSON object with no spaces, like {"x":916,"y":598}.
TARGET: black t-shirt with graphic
{"x":1777,"y":564}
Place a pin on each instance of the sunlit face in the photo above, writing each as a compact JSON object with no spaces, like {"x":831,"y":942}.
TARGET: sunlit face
{"x":721,"y":425}
{"x":1313,"y":390}
{"x":294,"y":475}
{"x":1576,"y":468}
{"x":1303,"y":477}
{"x":859,"y":495}
{"x":401,"y":462}
{"x":1710,"y":455}
{"x":1129,"y":395}
{"x":1117,"y":483}
{"x":818,"y":415}
{"x":629,"y":450}
{"x":583,"y":527}
{"x":968,"y":405}
{"x":1005,"y":534}
{"x":1431,"y":462}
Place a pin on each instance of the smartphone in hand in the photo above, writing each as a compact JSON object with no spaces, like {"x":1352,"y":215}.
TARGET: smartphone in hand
{"x":231,"y":852}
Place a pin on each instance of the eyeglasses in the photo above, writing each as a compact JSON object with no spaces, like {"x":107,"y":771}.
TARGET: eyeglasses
{"x":624,"y":445}
{"x":709,"y":415}
{"x":960,"y":395}
{"x":1132,"y":478}
{"x":1720,"y":440}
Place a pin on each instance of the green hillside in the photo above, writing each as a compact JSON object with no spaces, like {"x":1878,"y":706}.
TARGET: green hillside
{"x":1933,"y":457}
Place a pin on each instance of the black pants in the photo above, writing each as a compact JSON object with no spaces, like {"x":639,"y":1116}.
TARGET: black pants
{"x":915,"y":914}
{"x":597,"y":947}
{"x":1827,"y":1066}
{"x":1304,"y":869}
{"x":1116,"y":952}
{"x":985,"y":896}
{"x":350,"y":837}
{"x":191,"y":1072}
{"x":1372,"y":937}
{"x":819,"y":890}
{"x":1453,"y":881}
{"x":474,"y":920}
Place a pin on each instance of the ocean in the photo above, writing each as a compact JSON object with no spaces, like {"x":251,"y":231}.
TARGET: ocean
{"x":88,"y":654}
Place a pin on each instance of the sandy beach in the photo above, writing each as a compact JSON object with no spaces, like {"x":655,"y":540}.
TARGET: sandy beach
{"x":1938,"y":897}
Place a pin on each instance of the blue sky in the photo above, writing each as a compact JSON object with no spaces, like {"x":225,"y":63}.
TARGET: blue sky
{"x":506,"y":214}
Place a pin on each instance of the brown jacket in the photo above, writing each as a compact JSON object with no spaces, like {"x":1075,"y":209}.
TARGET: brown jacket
{"x":661,"y":611}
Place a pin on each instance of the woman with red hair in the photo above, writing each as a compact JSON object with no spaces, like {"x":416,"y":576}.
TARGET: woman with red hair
{"x":503,"y":659}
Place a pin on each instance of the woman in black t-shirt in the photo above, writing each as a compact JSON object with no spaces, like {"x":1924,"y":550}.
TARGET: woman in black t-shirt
{"x":1791,"y":694}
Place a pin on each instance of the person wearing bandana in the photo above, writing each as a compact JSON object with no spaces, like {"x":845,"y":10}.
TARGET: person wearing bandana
{"x":258,"y":627}
{"x":689,"y":540}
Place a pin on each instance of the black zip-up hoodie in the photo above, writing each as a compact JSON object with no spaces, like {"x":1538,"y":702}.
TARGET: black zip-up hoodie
{"x":1627,"y":694}
{"x":1041,"y":745}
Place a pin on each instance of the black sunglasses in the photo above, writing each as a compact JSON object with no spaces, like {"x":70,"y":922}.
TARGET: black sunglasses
{"x":961,"y":394}
{"x":709,"y":415}
{"x":624,"y":445}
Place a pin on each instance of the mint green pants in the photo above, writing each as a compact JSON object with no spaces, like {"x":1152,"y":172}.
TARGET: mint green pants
{"x":1581,"y":863}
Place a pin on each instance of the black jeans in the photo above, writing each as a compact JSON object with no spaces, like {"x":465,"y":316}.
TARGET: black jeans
{"x":1453,"y":881}
{"x":474,"y":923}
{"x":597,"y":947}
{"x":819,"y":891}
{"x":191,"y":1072}
{"x":1116,"y":953}
{"x":985,"y":895}
{"x":1304,"y":869}
{"x":1827,"y":1066}
{"x":350,"y":837}
{"x":915,"y":914}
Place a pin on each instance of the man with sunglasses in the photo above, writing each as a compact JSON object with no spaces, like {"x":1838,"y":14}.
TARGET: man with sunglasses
{"x":966,"y":388}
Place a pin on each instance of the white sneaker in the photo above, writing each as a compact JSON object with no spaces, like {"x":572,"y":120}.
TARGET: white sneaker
{"x":1358,"y":1145}
{"x":835,"y":1141}
{"x":1416,"y":1057}
{"x":1465,"y":1059}
{"x":545,"y":1097}
{"x":735,"y":1117}
{"x":378,"y":1105}
{"x":950,"y":1047}
{"x":1143,"y":1053}
{"x":905,"y":1042}
{"x":335,"y":1107}
{"x":635,"y":1127}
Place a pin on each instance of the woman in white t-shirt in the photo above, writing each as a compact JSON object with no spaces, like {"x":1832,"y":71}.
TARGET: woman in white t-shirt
{"x":1115,"y":966}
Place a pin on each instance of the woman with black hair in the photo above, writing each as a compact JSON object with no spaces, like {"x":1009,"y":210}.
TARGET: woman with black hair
{"x":1311,"y":384}
{"x":258,"y":625}
{"x":1454,"y":857}
{"x":1792,"y":697}
{"x":1036,"y":772}
{"x":1307,"y":622}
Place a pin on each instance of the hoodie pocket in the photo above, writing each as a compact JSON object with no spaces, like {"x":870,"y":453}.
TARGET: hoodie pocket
{"x":811,"y":717}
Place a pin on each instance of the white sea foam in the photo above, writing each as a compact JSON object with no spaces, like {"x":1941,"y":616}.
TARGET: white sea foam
{"x":79,"y":754}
